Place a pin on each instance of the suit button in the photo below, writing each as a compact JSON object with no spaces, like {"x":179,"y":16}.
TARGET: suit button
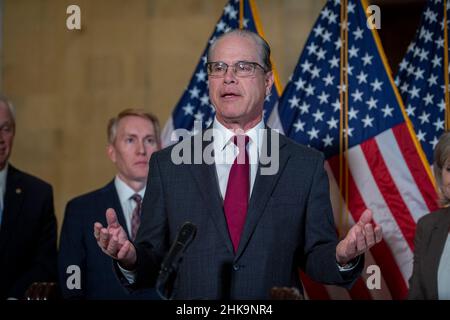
{"x":236,"y":267}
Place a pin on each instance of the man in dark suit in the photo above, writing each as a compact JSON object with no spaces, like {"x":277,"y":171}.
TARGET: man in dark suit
{"x":27,"y":220}
{"x":84,"y":271}
{"x":256,"y":223}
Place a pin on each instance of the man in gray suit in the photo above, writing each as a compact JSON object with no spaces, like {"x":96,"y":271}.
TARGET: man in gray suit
{"x":253,"y":230}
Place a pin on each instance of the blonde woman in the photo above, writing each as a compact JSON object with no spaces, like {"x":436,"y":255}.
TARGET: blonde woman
{"x":431,"y":272}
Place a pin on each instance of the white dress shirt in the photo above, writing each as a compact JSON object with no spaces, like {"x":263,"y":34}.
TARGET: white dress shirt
{"x":3,"y":174}
{"x":443,"y":272}
{"x":125,"y":193}
{"x":225,"y":152}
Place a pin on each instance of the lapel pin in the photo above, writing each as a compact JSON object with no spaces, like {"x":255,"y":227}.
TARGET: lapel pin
{"x":18,"y":191}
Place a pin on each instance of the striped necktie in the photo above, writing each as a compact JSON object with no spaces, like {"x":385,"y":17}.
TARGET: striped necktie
{"x":136,"y":216}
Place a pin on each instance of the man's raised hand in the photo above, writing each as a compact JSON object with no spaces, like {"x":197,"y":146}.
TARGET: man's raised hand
{"x":359,"y":239}
{"x":113,"y":241}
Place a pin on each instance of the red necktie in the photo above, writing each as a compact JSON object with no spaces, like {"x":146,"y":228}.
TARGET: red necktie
{"x":238,"y":189}
{"x":136,"y":216}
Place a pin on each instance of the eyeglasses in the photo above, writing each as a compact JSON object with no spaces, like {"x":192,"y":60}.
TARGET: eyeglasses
{"x":241,"y":68}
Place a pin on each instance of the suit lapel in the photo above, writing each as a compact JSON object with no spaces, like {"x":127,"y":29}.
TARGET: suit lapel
{"x":438,"y":238}
{"x":206,"y":179}
{"x":13,"y":200}
{"x":263,"y":187}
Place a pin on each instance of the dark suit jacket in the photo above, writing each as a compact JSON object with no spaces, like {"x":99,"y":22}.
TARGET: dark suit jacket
{"x":431,"y":234}
{"x":289,"y":224}
{"x":79,"y":247}
{"x":27,"y":234}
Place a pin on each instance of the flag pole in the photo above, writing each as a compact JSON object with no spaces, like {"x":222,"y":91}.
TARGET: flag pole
{"x":343,"y":120}
{"x":241,"y":14}
{"x":346,"y":169}
{"x":446,"y":80}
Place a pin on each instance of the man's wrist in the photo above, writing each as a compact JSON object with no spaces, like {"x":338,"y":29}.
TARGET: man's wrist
{"x":126,"y":266}
{"x":349,"y":265}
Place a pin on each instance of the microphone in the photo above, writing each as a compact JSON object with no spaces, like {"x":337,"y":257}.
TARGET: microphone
{"x":173,"y":257}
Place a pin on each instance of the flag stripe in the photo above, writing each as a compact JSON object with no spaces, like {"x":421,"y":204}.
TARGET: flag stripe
{"x":365,"y":184}
{"x":415,"y":165}
{"x":381,"y":252}
{"x":359,"y":291}
{"x":418,"y":151}
{"x":383,"y":293}
{"x":378,"y":178}
{"x":395,"y":280}
{"x":388,"y":189}
{"x":337,"y":293}
{"x":314,"y":290}
{"x":401,"y":175}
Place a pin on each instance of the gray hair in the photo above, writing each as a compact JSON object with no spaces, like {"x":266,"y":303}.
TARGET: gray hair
{"x":10,"y":106}
{"x":441,"y":159}
{"x":264,"y":51}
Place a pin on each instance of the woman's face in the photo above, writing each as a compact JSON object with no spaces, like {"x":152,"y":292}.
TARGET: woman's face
{"x":446,"y":179}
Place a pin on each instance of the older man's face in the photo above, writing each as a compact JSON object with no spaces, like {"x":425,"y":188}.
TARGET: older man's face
{"x":6,"y":134}
{"x":238,"y":99}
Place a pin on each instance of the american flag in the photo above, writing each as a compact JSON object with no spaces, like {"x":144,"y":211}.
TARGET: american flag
{"x":421,"y":78}
{"x":194,"y":104}
{"x":386,"y":172}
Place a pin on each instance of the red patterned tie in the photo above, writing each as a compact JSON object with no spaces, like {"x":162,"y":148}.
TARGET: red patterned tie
{"x":238,"y":189}
{"x":136,"y":216}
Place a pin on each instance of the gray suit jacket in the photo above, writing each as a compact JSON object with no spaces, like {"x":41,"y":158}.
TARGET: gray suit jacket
{"x":431,"y":234}
{"x":289,"y":224}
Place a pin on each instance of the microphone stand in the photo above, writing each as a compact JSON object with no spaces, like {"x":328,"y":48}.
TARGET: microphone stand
{"x":169,"y":266}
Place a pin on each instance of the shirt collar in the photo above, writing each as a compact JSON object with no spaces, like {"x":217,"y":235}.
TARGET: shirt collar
{"x":3,"y":175}
{"x":124,"y":191}
{"x":222,"y":135}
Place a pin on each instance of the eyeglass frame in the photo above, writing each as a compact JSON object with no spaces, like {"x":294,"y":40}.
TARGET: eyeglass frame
{"x":254,"y":64}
